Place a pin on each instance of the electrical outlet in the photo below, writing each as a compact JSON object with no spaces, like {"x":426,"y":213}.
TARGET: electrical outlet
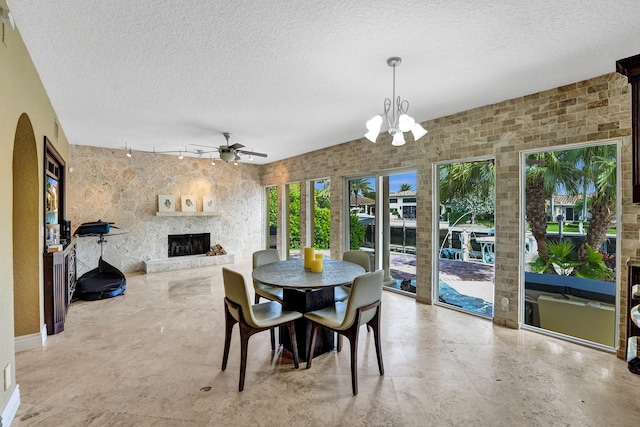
{"x":7,"y":377}
{"x":505,"y":304}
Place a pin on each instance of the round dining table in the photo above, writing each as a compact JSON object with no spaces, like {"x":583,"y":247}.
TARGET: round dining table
{"x":291,"y":274}
{"x":305,"y":291}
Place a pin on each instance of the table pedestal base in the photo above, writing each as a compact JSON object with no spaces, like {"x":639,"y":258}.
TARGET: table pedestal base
{"x":305,"y":301}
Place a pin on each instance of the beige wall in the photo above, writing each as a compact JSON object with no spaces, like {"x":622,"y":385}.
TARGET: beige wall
{"x":598,"y":109}
{"x":106,"y":184}
{"x":21,"y":92}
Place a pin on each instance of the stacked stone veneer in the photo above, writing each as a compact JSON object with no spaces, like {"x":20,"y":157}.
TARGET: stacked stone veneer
{"x":595,"y":110}
{"x":107,"y":185}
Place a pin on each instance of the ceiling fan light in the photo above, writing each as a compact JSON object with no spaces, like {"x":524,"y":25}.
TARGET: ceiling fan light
{"x":227,"y":156}
{"x":406,"y":122}
{"x":398,"y":139}
{"x":418,"y":131}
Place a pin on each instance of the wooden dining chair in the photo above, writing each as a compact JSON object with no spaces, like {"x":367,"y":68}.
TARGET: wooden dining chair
{"x":272,"y":293}
{"x":251,"y":319}
{"x":357,"y":257}
{"x":342,"y":292}
{"x":362,"y":307}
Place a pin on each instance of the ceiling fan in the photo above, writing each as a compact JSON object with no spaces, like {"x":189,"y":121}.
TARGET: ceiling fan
{"x":232,"y":152}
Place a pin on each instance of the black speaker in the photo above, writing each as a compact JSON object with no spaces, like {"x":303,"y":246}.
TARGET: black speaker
{"x":65,"y":232}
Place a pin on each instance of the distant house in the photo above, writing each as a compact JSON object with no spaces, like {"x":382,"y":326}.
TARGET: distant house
{"x":361,"y":204}
{"x":565,"y":205}
{"x":403,"y":202}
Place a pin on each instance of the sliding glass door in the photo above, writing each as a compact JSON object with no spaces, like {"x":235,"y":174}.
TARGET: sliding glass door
{"x":292,"y":215}
{"x":382,"y":221}
{"x":271,"y":194}
{"x":466,"y":245}
{"x":401,"y":202}
{"x":320,"y":215}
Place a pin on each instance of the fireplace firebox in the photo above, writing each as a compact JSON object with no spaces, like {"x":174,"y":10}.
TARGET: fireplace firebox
{"x":189,"y":244}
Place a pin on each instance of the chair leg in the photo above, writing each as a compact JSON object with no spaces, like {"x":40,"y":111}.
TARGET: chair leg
{"x":312,"y":343}
{"x":294,"y":343}
{"x":229,"y":322}
{"x":376,"y":336}
{"x":353,"y":339}
{"x":245,"y":333}
{"x":273,"y":339}
{"x":339,"y":346}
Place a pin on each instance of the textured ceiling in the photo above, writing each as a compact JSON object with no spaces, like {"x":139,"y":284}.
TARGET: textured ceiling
{"x":289,"y":77}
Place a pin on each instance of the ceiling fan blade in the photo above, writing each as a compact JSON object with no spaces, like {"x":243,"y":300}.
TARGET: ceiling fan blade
{"x":206,"y":146}
{"x":236,"y":146}
{"x":252,"y":153}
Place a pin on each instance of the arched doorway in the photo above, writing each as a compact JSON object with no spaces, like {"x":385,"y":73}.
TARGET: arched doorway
{"x":27,"y":302}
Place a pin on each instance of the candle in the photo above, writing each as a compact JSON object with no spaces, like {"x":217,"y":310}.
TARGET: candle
{"x":316,"y":264}
{"x":309,"y":254}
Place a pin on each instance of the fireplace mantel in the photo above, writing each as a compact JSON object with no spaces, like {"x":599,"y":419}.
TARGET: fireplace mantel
{"x":187,"y":214}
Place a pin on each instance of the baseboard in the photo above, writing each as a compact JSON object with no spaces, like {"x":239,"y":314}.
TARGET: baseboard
{"x":28,"y":342}
{"x":9,"y":411}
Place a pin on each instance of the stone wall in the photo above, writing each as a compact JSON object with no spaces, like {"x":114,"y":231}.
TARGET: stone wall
{"x":107,"y":185}
{"x":595,"y":110}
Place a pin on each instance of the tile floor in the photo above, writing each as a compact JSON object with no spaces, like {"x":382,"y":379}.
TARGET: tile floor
{"x":152,"y":358}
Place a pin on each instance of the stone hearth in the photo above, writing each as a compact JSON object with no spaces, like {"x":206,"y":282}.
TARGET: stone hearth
{"x":184,"y":262}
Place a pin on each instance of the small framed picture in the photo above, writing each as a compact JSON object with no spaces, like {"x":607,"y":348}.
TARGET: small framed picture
{"x":189,"y":204}
{"x":208,"y":204}
{"x":166,"y":203}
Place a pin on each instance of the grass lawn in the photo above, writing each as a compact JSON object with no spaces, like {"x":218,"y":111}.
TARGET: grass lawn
{"x":552,"y":227}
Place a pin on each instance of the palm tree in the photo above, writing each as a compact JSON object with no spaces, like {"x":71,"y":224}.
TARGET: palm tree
{"x":405,"y":187}
{"x":468,"y":186}
{"x":359,"y":186}
{"x":600,"y":170}
{"x":546,"y":172}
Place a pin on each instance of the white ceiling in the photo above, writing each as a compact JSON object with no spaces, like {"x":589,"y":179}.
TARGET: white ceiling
{"x":289,"y":77}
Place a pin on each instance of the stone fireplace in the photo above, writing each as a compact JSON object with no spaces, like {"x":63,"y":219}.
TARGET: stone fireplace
{"x":188,"y":244}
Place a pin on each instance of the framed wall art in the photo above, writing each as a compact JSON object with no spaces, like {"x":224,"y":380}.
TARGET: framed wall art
{"x":166,"y":203}
{"x":208,"y":204}
{"x":189,"y":204}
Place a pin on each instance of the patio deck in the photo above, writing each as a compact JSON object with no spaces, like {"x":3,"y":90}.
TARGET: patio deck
{"x":465,"y":284}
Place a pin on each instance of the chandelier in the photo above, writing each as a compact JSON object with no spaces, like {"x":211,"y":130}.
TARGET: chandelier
{"x":398,"y":121}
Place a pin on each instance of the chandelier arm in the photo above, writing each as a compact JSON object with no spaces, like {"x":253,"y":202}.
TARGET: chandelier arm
{"x":403,"y":107}
{"x":387,"y":108}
